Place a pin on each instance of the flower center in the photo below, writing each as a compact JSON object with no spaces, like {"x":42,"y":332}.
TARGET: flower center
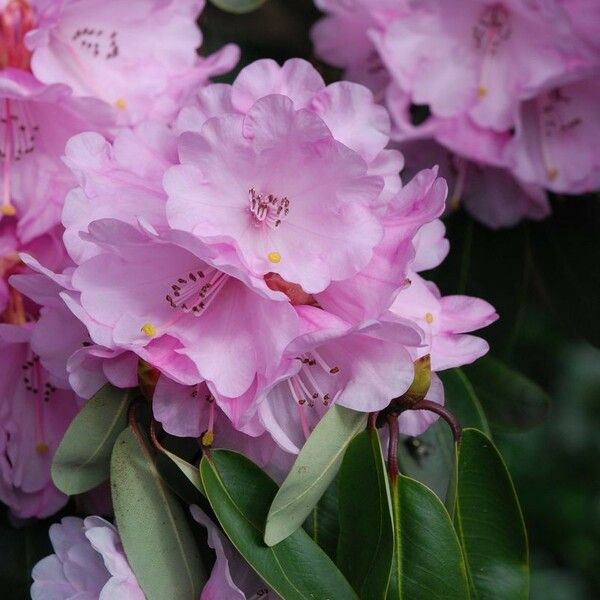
{"x":293,"y":291}
{"x":33,"y":378}
{"x":195,"y":291}
{"x":304,"y":386}
{"x":268,"y":208}
{"x":490,"y":31}
{"x":16,"y":19}
{"x":555,"y":119}
{"x":18,"y":135}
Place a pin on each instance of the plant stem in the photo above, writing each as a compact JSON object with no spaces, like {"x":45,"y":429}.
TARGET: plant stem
{"x":443,"y":412}
{"x":393,"y":471}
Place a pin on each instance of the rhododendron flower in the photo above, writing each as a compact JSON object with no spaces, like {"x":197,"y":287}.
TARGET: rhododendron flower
{"x":241,"y":184}
{"x":178,"y":310}
{"x":331,"y":362}
{"x":232,"y":578}
{"x":446,"y":320}
{"x":33,"y":418}
{"x":89,"y":562}
{"x":138,"y":56}
{"x":555,"y":143}
{"x":490,"y":193}
{"x":472,"y":60}
{"x":36,"y":121}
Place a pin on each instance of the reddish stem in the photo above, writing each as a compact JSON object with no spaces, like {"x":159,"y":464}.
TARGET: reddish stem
{"x":443,"y":412}
{"x":393,"y":470}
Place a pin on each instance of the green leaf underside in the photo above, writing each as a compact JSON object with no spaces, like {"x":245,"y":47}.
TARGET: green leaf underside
{"x":510,"y":399}
{"x":313,"y":471}
{"x":366,"y":543}
{"x":489,"y":522}
{"x":238,"y":6}
{"x":428,"y":560}
{"x":240,"y":494}
{"x":156,"y":536}
{"x":82,"y":460}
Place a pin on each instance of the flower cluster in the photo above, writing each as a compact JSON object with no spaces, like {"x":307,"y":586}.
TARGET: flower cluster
{"x":502,"y":95}
{"x":252,"y":244}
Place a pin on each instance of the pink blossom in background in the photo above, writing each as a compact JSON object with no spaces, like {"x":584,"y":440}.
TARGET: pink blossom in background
{"x":510,"y":87}
{"x":231,"y":578}
{"x":89,"y":562}
{"x":33,"y":418}
{"x":138,"y":56}
{"x":555,"y":141}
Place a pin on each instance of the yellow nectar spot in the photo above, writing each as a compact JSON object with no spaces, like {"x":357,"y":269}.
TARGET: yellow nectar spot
{"x":121,"y":103}
{"x":429,"y":317}
{"x":274,"y":257}
{"x":41,"y":448}
{"x":482,"y":91}
{"x":552,"y":173}
{"x":149,"y":329}
{"x":208,"y":437}
{"x":8,"y":210}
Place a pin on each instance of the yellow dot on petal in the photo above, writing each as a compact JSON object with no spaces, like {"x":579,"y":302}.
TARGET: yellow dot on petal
{"x":482,"y":91}
{"x":121,"y":103}
{"x":8,"y":210}
{"x":429,"y":317}
{"x":552,"y":173}
{"x":149,"y":329}
{"x":41,"y":447}
{"x":208,"y":437}
{"x":274,"y":257}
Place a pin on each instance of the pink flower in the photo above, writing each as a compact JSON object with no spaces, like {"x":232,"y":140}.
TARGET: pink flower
{"x":231,"y":578}
{"x":555,"y":144}
{"x":363,"y":368}
{"x":33,"y":418}
{"x":89,"y":563}
{"x":119,"y":180}
{"x":445,"y":320}
{"x":139,"y":57}
{"x":490,"y":193}
{"x":479,"y":59}
{"x":240,"y":184}
{"x":40,"y":120}
{"x":176,"y":308}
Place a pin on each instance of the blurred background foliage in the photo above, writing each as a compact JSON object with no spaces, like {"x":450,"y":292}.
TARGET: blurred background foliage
{"x":544,"y":280}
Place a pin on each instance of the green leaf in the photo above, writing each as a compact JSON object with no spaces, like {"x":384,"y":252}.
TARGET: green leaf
{"x":322,"y":523}
{"x":155,"y":533}
{"x":366,"y":543}
{"x":489,"y":522}
{"x":428,"y":560}
{"x":240,"y":495}
{"x":238,"y":6}
{"x":82,"y":460}
{"x":510,"y":399}
{"x":181,"y":476}
{"x":313,"y":471}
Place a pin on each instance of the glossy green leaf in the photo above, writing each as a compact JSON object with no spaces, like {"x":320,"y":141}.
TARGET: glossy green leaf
{"x":313,"y":471}
{"x":240,"y":495}
{"x":489,"y":522}
{"x":428,"y":560}
{"x":238,"y":6}
{"x":82,"y":460}
{"x":366,"y":543}
{"x":153,"y":527}
{"x":322,"y":524}
{"x":181,"y":476}
{"x":510,"y":399}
